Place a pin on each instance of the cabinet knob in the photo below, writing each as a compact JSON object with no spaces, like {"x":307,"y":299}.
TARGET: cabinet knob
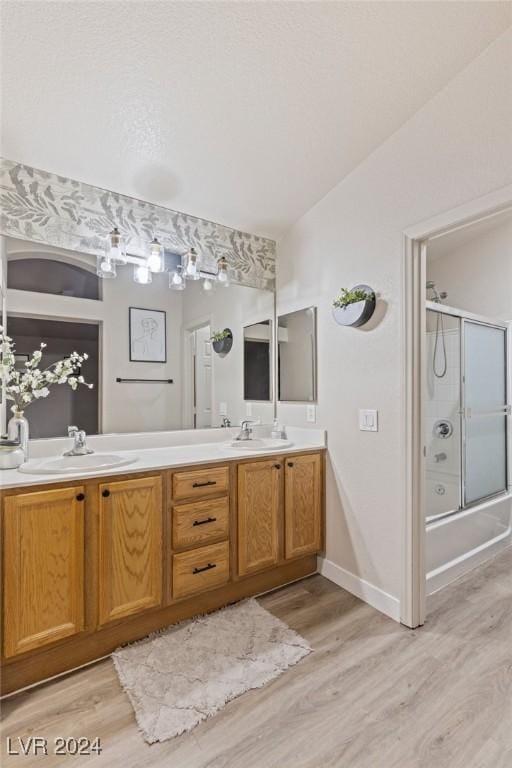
{"x":290,"y":463}
{"x":277,"y":466}
{"x":80,"y":496}
{"x":105,"y":493}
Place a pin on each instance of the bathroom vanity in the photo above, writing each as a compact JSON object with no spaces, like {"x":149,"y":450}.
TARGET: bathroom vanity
{"x":95,"y":561}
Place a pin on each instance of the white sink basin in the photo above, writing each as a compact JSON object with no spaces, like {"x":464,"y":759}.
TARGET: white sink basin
{"x":260,"y":444}
{"x":71,"y":464}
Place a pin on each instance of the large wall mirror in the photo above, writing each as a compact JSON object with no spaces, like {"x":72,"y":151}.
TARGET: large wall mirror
{"x":296,"y":356}
{"x":154,"y":339}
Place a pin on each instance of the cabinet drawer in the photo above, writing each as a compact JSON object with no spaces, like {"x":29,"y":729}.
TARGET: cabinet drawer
{"x":199,"y":483}
{"x":200,"y":569}
{"x":200,"y":522}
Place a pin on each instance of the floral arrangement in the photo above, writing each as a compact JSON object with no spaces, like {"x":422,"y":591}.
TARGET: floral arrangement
{"x":220,"y":335}
{"x":31,"y":383}
{"x":347,"y":297}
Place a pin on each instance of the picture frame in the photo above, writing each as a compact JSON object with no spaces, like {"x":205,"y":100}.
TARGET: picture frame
{"x":147,"y":335}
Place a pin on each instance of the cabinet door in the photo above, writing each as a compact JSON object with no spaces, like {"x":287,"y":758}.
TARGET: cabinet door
{"x":43,"y":568}
{"x":130,"y":547}
{"x":303,"y":505}
{"x":259,"y":515}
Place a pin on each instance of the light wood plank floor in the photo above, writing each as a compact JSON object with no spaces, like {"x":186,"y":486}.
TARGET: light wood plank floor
{"x":372,"y":695}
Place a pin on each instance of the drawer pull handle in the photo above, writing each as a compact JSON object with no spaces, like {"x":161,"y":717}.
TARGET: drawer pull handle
{"x":80,"y":496}
{"x":201,"y":485}
{"x":203,"y":522}
{"x":105,"y":493}
{"x":206,"y":568}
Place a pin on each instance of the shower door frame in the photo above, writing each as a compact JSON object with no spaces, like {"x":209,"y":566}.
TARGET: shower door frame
{"x":470,"y":317}
{"x":414,"y":355}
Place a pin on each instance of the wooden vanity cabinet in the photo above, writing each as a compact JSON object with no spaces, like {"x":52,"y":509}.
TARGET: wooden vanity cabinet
{"x":93,"y":565}
{"x":130,"y":547}
{"x":43,"y":546}
{"x":259,"y":505}
{"x":280,"y":510}
{"x":303,"y":509}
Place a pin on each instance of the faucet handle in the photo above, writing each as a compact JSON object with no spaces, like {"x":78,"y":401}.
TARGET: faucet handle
{"x":72,"y":431}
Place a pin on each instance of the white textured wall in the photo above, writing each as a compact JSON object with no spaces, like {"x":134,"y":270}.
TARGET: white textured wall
{"x":455,"y":149}
{"x":478,"y":273}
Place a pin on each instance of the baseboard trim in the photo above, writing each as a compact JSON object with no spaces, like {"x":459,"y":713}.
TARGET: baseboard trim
{"x":374,"y":596}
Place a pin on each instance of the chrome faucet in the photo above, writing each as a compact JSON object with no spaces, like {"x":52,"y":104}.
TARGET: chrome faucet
{"x":80,"y":443}
{"x":245,"y":431}
{"x":225,"y":422}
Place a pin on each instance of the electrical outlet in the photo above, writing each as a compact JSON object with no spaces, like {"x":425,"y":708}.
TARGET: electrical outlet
{"x":311,"y":413}
{"x":368,"y":420}
{"x":248,"y":410}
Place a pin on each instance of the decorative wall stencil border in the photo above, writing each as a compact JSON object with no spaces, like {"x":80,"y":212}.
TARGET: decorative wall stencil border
{"x":42,"y":207}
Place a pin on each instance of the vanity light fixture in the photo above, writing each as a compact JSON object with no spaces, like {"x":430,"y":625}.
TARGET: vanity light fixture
{"x":142,"y":274}
{"x":222,"y":275}
{"x":116,"y":250}
{"x":156,"y":262}
{"x":192,"y":265}
{"x":106,"y":267}
{"x":176,"y":279}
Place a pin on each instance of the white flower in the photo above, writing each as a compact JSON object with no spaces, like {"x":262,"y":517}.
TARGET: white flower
{"x":43,"y":392}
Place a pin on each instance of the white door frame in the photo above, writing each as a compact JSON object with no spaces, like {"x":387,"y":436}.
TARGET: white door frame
{"x":413,"y":596}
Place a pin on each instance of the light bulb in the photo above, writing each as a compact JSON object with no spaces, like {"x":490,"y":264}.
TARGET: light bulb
{"x":105,"y":267}
{"x":116,"y":250}
{"x":222,"y":275}
{"x":192,"y":265}
{"x":142,"y":274}
{"x":155,"y":259}
{"x":207,"y":284}
{"x":176,"y":281}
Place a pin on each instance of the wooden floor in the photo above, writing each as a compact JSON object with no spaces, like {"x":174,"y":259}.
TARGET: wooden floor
{"x":372,"y":695}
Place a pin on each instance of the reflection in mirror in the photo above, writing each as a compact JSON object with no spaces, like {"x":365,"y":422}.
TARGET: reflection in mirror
{"x":258,"y":361}
{"x":297,"y":356}
{"x":54,"y":296}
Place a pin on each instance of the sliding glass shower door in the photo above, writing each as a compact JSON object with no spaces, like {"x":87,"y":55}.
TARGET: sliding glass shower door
{"x":484,"y":411}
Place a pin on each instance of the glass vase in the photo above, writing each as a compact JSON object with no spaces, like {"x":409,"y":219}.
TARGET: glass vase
{"x":18,"y":429}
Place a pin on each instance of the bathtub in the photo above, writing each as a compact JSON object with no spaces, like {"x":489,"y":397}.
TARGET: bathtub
{"x":461,"y":541}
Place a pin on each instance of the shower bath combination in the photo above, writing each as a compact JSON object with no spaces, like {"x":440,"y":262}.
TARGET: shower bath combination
{"x":468,"y":500}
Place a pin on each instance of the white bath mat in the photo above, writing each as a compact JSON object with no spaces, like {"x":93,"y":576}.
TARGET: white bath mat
{"x":186,"y":673}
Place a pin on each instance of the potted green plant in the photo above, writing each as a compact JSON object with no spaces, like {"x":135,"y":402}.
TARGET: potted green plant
{"x":354,"y":306}
{"x":222,"y":341}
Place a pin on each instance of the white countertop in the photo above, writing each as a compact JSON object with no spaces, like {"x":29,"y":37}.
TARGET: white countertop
{"x":197,"y":447}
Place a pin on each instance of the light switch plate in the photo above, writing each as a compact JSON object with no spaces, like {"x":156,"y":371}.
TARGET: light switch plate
{"x":311,"y":413}
{"x":368,"y":420}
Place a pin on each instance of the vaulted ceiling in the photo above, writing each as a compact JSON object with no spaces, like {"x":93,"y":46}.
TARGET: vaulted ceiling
{"x":245,"y":113}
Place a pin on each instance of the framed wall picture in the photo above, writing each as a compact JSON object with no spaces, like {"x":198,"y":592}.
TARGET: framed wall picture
{"x":148,"y":337}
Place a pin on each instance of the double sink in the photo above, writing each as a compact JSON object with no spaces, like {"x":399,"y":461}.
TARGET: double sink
{"x":94,"y":462}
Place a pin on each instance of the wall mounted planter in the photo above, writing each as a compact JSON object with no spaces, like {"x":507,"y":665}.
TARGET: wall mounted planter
{"x":224,"y":346}
{"x":359,"y":312}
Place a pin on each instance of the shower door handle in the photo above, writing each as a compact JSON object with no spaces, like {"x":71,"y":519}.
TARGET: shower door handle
{"x":469,"y":413}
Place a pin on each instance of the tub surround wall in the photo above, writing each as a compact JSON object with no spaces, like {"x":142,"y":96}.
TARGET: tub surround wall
{"x":450,"y":152}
